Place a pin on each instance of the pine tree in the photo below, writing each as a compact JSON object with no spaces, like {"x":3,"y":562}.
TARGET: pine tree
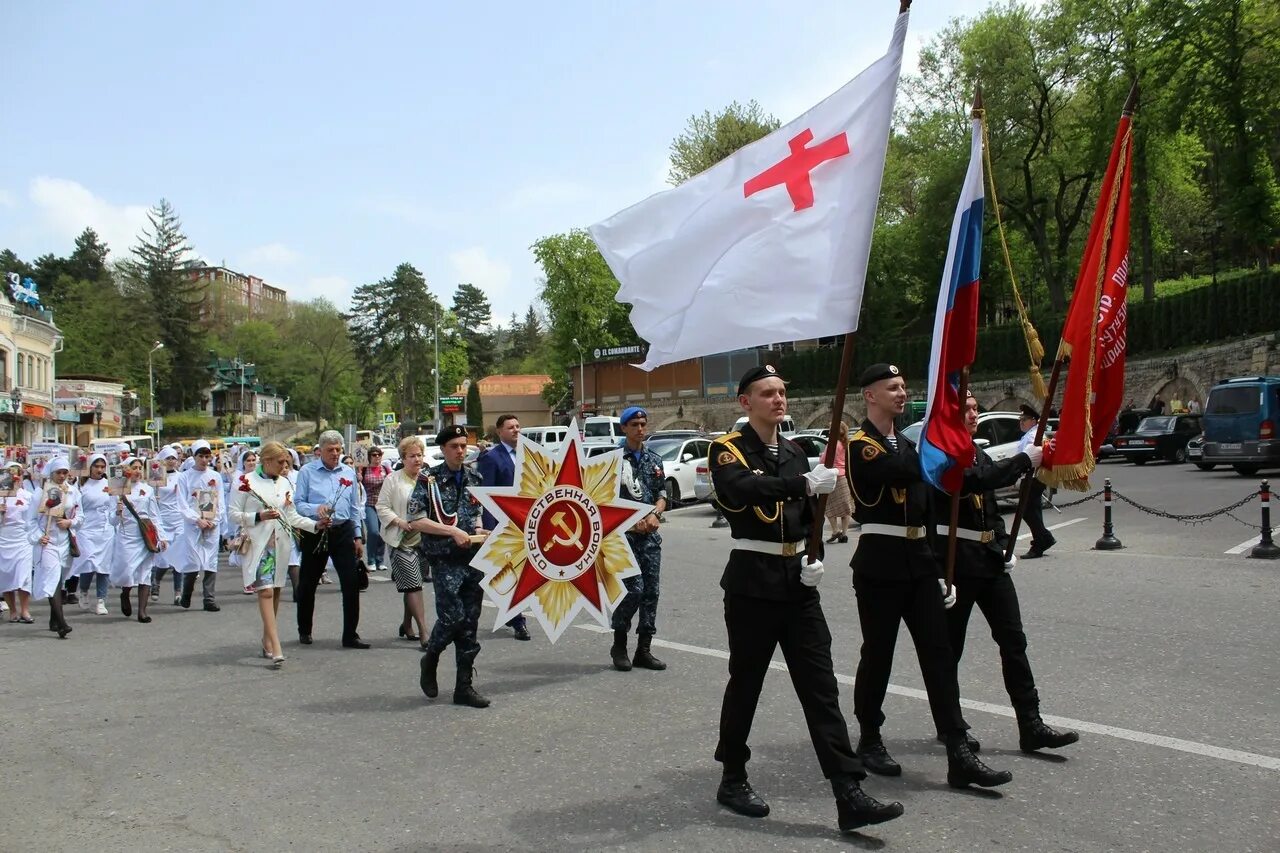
{"x":472,"y":309}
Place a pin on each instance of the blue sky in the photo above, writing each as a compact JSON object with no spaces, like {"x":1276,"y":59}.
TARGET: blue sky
{"x":318,"y":147}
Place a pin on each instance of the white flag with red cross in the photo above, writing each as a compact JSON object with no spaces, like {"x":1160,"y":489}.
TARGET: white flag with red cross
{"x":771,"y":243}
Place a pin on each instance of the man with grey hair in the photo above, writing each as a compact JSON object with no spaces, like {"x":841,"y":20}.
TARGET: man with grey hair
{"x":326,"y":492}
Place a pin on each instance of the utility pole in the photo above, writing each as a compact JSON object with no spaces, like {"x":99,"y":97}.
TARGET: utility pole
{"x":439,"y":420}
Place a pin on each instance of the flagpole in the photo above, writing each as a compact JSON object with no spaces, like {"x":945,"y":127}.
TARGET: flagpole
{"x":829,"y":455}
{"x":955,"y":496}
{"x":1130,"y":106}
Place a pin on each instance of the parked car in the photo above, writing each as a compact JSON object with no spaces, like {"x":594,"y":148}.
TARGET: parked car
{"x":1159,"y":437}
{"x":821,"y":433}
{"x":601,"y":429}
{"x":998,"y":434}
{"x":787,"y":427}
{"x":1240,"y":420}
{"x":680,"y":458}
{"x":676,"y":433}
{"x":1195,"y":453}
{"x":550,"y":437}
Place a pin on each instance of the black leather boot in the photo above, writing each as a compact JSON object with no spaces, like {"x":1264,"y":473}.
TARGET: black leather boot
{"x":619,"y":651}
{"x":856,"y":808}
{"x":876,"y":758}
{"x":427,"y":679}
{"x":736,"y":794}
{"x":188,"y":587}
{"x":464,"y":693}
{"x":644,"y":658}
{"x":964,"y":768}
{"x":1034,"y":733}
{"x":970,"y":741}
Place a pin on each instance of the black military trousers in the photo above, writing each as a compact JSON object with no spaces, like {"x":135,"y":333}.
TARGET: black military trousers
{"x":756,"y":627}
{"x":918,"y":603}
{"x":997,"y":598}
{"x":1034,"y":515}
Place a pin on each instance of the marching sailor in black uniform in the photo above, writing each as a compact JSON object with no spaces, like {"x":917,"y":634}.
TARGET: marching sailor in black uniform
{"x":982,"y":578}
{"x":898,"y":579}
{"x":763,"y":483}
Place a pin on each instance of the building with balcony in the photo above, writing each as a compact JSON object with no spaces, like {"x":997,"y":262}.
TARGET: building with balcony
{"x":239,"y":391}
{"x":29,"y":344}
{"x":230,"y":296}
{"x":89,"y":407}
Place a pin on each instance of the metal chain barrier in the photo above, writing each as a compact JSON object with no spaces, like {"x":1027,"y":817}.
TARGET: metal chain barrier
{"x":1191,"y":518}
{"x":1083,"y":500}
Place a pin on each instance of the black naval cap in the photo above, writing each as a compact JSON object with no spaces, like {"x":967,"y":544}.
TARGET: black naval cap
{"x":449,"y":433}
{"x":755,"y":374}
{"x":876,"y":372}
{"x":1029,"y":412}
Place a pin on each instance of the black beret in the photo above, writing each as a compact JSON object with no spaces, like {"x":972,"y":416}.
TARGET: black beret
{"x":449,"y":433}
{"x":755,"y":374}
{"x":1028,"y":412}
{"x":876,"y":372}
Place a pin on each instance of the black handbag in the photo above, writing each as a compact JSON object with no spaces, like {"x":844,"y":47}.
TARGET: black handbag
{"x":362,"y":575}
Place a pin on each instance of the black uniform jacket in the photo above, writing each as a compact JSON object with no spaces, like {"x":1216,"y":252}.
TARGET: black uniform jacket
{"x":888,"y":488}
{"x":978,"y":512}
{"x":766,"y":501}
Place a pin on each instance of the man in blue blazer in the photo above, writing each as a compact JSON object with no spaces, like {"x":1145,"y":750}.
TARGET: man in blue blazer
{"x":497,"y":467}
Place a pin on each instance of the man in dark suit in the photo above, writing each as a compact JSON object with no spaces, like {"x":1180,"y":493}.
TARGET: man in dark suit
{"x":497,"y":467}
{"x":764,"y":485}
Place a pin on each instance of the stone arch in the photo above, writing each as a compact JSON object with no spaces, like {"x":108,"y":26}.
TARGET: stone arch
{"x":1011,"y":404}
{"x":821,"y":419}
{"x":677,"y":422}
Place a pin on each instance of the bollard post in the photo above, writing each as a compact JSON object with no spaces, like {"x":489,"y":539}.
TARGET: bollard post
{"x":719,"y":520}
{"x":1266,"y":549}
{"x":1108,"y":542}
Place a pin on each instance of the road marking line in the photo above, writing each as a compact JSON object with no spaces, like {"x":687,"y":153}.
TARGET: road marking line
{"x":1244,"y":546}
{"x":1057,"y":526}
{"x":1237,"y":756}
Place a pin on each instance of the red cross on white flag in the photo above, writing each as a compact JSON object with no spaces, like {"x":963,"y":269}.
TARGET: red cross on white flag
{"x":768,"y":245}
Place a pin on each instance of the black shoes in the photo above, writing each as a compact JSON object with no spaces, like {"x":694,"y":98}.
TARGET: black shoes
{"x":738,"y":795}
{"x":875,"y":758}
{"x":126,"y":606}
{"x":969,"y":741}
{"x":406,"y":635}
{"x":305,"y":639}
{"x":357,"y":643}
{"x":964,"y":769}
{"x":618,"y":652}
{"x":210,"y":607}
{"x":644,"y":658}
{"x":1035,"y":552}
{"x":1034,"y":733}
{"x":522,"y":633}
{"x":856,"y":808}
{"x":427,"y":678}
{"x":465,"y":694}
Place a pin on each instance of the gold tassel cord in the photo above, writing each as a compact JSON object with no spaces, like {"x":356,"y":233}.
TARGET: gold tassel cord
{"x":1035,"y":349}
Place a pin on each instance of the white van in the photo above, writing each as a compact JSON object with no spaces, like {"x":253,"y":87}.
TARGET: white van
{"x":601,"y":429}
{"x":139,"y":445}
{"x":550,"y":437}
{"x":787,"y":427}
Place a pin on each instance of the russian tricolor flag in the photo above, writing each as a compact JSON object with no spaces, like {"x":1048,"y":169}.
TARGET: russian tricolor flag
{"x":946,"y":448}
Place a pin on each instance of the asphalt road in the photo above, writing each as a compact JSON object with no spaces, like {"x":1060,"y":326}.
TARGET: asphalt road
{"x":175,"y":736}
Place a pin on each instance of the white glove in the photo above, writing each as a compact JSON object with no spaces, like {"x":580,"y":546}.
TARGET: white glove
{"x":1036,"y":453}
{"x":811,"y":573}
{"x":822,"y":480}
{"x":947,"y":600}
{"x":1013,"y":561}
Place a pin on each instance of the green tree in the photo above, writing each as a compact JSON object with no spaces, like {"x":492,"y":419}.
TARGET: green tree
{"x":474,"y":315}
{"x":319,"y":368}
{"x":707,"y":139}
{"x":392,"y":323}
{"x":88,"y":260}
{"x":475,"y":409}
{"x":155,"y":278}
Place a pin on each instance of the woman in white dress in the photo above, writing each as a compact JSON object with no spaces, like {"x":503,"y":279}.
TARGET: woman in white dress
{"x":171,"y":515}
{"x":15,"y":547}
{"x":262,"y":507}
{"x":95,"y":538}
{"x":54,"y":514}
{"x":140,"y":535}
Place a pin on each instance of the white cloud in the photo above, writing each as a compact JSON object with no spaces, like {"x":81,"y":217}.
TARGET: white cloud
{"x":66,"y":208}
{"x":271,"y":254}
{"x":8,"y":199}
{"x":543,"y":194}
{"x":474,"y":265}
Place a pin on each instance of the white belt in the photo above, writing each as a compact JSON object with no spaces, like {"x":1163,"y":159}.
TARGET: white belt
{"x":983,"y":536}
{"x":893,"y":530}
{"x":778,"y":549}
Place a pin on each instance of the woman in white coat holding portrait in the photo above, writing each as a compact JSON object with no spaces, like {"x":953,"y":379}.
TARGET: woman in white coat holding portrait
{"x":140,"y":529}
{"x":54,"y":513}
{"x":262,"y":507}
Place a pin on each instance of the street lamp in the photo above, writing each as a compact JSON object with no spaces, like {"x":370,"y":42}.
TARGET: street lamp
{"x":582,"y":382}
{"x":97,"y":419}
{"x":243,"y":365}
{"x":151,"y":384}
{"x":15,"y":397}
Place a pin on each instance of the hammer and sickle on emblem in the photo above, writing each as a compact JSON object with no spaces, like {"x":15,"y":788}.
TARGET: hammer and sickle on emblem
{"x":571,"y":537}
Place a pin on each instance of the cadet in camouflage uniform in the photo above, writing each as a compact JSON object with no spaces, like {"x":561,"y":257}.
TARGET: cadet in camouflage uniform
{"x":452,"y":515}
{"x":643,"y":481}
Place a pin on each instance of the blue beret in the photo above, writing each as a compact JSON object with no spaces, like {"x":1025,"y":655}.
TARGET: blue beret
{"x":632,"y":412}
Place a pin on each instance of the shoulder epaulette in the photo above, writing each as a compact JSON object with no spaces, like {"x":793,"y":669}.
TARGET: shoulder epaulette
{"x":861,"y":435}
{"x":728,"y":452}
{"x":727,"y":437}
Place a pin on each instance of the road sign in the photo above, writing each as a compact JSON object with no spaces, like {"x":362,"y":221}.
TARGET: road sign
{"x":154,"y":426}
{"x":450,"y":405}
{"x":388,"y":418}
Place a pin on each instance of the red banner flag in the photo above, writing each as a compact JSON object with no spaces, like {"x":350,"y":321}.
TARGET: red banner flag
{"x":1093,"y":337}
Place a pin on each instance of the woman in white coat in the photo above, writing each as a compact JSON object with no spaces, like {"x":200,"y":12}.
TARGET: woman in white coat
{"x":15,"y":547}
{"x":50,"y":533}
{"x":262,"y":507}
{"x":171,"y":514}
{"x":140,"y":535}
{"x":95,"y":538}
{"x":199,"y":542}
{"x":247,"y":462}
